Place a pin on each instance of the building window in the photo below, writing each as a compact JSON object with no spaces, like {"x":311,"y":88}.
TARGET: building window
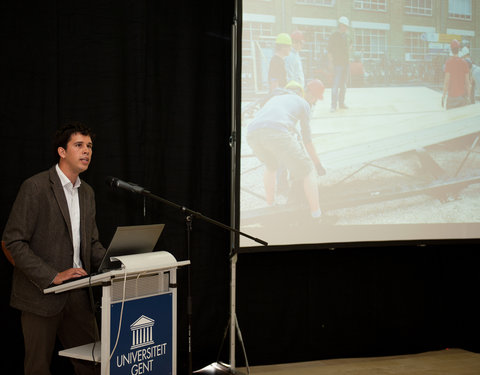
{"x":416,"y":48}
{"x":327,"y":3}
{"x":316,"y":40}
{"x":375,"y":5}
{"x":460,"y":9}
{"x":256,"y":36}
{"x":255,"y":32}
{"x":418,"y":7}
{"x":371,"y":43}
{"x":314,"y":53}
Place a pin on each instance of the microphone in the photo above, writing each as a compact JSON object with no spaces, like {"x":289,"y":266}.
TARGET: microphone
{"x":114,"y":182}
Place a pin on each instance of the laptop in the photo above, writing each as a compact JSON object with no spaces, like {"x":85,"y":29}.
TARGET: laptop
{"x":137,"y":239}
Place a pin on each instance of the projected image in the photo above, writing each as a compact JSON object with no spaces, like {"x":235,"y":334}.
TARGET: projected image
{"x":359,"y":121}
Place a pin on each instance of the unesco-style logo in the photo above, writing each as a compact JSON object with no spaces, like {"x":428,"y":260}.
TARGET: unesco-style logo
{"x":142,"y":332}
{"x":144,"y":349}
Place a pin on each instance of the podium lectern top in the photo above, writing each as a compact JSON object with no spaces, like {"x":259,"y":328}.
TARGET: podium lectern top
{"x":131,"y":264}
{"x":147,"y":262}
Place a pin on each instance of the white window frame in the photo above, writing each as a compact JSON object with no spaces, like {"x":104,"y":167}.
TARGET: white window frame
{"x":460,"y":9}
{"x":371,"y":5}
{"x":323,"y":3}
{"x":419,"y":7}
{"x":415,"y":45}
{"x":375,"y":51}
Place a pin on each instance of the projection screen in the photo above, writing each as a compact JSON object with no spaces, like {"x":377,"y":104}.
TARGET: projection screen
{"x":398,"y":165}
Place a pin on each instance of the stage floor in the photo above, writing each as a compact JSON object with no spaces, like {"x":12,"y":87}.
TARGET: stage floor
{"x":444,"y":362}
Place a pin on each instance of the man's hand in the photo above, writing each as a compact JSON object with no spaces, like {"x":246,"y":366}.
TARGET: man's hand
{"x":320,"y":170}
{"x":314,"y":157}
{"x":71,"y":273}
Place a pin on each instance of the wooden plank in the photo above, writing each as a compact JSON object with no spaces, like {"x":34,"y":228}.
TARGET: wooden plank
{"x":386,"y":122}
{"x":383,"y":122}
{"x":369,"y":151}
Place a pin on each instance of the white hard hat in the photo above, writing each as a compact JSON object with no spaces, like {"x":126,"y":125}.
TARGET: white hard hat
{"x":343,"y":20}
{"x":464,"y":52}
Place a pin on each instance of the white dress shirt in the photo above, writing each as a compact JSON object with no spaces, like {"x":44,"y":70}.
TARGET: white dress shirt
{"x":71,"y":194}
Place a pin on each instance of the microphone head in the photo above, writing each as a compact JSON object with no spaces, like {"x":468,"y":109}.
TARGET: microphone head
{"x":111,"y":181}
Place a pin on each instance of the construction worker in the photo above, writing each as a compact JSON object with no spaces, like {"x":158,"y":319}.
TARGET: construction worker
{"x":475,"y":90}
{"x":464,"y":52}
{"x":338,"y":52}
{"x":293,"y":62}
{"x":274,"y":138}
{"x":457,"y":79}
{"x":277,"y":74}
{"x":471,"y":76}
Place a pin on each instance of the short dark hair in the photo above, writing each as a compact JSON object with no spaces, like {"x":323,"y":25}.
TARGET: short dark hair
{"x":64,"y":133}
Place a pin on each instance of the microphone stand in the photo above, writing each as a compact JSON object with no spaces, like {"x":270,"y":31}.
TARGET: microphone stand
{"x":189,"y":215}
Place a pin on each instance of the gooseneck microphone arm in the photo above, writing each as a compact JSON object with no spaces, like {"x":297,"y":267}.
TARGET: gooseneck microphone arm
{"x":114,"y":182}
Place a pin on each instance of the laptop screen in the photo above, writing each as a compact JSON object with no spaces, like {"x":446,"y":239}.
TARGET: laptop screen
{"x":130,"y":240}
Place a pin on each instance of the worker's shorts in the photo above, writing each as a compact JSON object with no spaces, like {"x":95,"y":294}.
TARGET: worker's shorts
{"x":275,"y":148}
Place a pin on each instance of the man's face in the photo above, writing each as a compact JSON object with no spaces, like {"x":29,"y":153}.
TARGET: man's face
{"x":311,"y":99}
{"x":285,"y":50}
{"x":76,"y":158}
{"x":298,"y":44}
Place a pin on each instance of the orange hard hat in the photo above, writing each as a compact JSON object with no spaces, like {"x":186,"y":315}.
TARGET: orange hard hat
{"x":297,"y":36}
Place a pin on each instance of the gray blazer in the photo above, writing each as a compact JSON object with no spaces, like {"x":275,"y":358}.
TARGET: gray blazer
{"x":39,"y":236}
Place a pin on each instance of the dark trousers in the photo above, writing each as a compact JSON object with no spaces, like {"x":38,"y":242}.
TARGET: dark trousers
{"x":339,"y":85}
{"x":74,"y":326}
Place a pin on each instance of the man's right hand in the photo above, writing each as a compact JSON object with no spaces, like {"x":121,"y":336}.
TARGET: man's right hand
{"x":71,"y":273}
{"x":320,"y":170}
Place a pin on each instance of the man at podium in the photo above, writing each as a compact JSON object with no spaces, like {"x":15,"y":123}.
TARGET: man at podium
{"x":52,"y":236}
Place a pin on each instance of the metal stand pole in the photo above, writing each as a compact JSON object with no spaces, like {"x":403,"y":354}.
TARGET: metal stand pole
{"x":233,"y":237}
{"x":233,"y":326}
{"x":233,"y":308}
{"x":188,"y":222}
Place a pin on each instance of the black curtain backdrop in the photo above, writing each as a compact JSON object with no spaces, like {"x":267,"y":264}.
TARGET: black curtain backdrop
{"x":355,"y":302}
{"x":153,"y":79}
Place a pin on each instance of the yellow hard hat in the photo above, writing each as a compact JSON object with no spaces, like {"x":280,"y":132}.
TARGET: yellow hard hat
{"x":284,"y":38}
{"x":294,"y":85}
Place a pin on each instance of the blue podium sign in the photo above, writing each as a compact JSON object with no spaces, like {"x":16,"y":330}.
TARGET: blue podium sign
{"x":145,"y":343}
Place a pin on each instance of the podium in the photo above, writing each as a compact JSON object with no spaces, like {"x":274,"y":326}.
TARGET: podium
{"x":138,"y":316}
